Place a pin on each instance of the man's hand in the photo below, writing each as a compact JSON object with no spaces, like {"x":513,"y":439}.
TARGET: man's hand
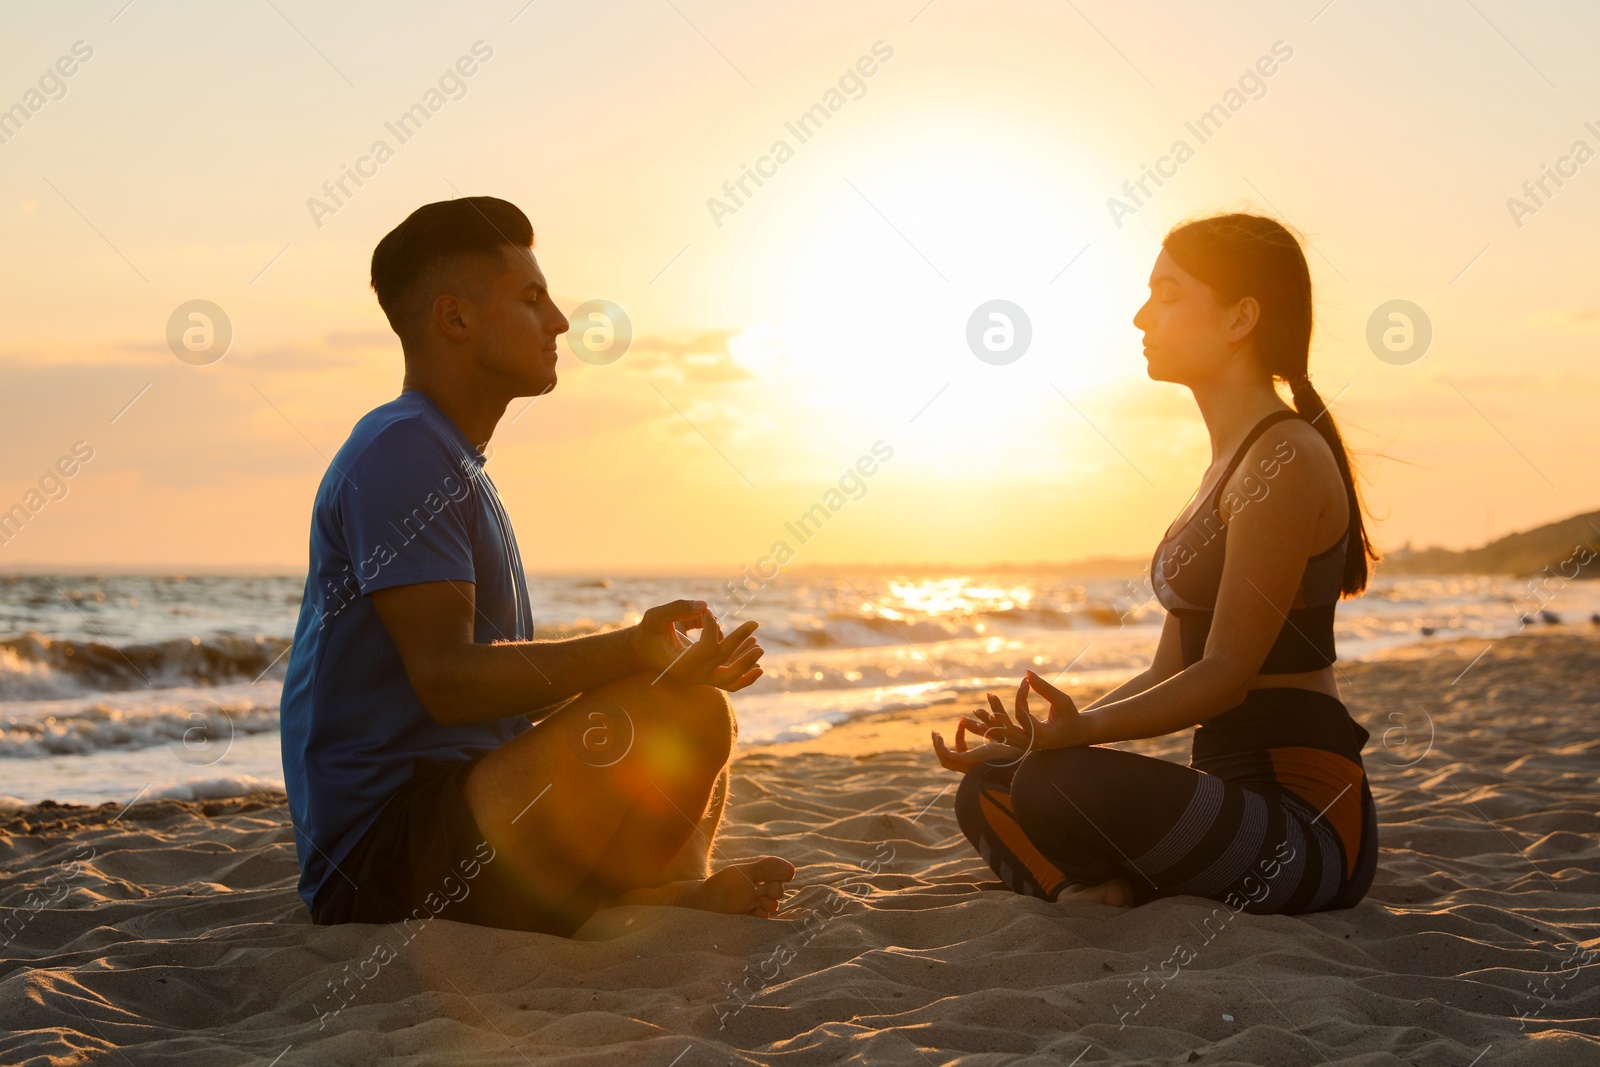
{"x":728,"y":663}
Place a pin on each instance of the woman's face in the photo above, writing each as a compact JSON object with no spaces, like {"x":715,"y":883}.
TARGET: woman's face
{"x":1189,"y":335}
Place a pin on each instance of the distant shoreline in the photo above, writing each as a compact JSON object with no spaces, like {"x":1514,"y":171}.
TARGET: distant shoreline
{"x":1410,"y":565}
{"x":1094,"y":567}
{"x":1571,"y":546}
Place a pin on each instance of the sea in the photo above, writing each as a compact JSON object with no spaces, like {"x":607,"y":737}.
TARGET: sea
{"x":115,"y":688}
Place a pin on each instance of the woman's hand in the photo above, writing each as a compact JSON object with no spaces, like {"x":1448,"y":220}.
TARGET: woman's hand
{"x":728,"y":663}
{"x":963,"y":759}
{"x":1063,"y":727}
{"x":990,"y":724}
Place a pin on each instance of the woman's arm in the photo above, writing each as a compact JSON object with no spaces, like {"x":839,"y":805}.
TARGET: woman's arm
{"x":1270,"y":537}
{"x":1167,"y":661}
{"x":1269,"y":540}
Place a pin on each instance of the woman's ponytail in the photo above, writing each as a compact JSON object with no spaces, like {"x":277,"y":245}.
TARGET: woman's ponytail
{"x":1310,"y":405}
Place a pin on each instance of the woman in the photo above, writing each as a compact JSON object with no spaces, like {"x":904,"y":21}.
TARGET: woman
{"x":1274,"y":813}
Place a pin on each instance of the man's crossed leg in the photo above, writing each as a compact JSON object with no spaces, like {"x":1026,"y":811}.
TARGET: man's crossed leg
{"x":616,"y":799}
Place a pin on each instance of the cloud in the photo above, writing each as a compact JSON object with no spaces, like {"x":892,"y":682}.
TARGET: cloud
{"x":701,"y":358}
{"x":339,"y":348}
{"x":87,"y":355}
{"x":361,"y":339}
{"x":722,"y":423}
{"x":327,"y":355}
{"x":1568,"y":320}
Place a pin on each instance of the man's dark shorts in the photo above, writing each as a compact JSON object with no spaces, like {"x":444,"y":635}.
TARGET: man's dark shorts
{"x":425,"y":858}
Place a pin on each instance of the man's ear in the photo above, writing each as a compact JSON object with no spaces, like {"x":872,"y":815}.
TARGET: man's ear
{"x":449,"y":316}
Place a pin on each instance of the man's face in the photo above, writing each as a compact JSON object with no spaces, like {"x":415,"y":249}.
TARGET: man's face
{"x":517,"y":325}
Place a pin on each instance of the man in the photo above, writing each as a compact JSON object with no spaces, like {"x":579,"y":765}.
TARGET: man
{"x":438,"y":760}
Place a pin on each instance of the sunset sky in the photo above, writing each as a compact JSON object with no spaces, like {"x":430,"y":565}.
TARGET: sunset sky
{"x":776,"y":342}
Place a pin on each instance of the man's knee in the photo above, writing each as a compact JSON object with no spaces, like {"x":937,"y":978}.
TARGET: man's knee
{"x":705,"y":712}
{"x":697,"y":720}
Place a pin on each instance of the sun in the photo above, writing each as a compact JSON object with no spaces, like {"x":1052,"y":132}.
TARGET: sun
{"x":882,"y":248}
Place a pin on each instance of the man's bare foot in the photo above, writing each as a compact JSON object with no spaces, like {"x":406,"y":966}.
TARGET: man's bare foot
{"x":751,"y":888}
{"x":1116,"y":892}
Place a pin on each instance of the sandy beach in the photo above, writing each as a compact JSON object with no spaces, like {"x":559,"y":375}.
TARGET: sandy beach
{"x":377,"y":379}
{"x":171,"y":933}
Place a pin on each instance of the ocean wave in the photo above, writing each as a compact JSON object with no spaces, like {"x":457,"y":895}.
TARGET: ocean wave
{"x":812,"y":676}
{"x":220,"y":788}
{"x":1082,"y":615}
{"x":858,"y":631}
{"x":199,"y":730}
{"x":846,"y":630}
{"x":37,"y":667}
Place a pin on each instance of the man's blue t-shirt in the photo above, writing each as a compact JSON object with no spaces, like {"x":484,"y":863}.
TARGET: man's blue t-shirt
{"x":405,"y":501}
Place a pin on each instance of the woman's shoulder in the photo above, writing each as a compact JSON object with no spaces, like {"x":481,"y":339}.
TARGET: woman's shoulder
{"x":1293,"y":460}
{"x":1288,"y":458}
{"x":1288,"y":446}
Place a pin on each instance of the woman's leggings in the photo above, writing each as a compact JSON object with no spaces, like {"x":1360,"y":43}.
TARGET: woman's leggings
{"x":1087,"y":815}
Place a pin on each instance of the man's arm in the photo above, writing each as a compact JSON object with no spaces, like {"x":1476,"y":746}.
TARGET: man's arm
{"x":461,"y":681}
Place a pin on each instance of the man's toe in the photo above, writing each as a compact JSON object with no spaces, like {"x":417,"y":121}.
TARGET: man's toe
{"x":771,"y":869}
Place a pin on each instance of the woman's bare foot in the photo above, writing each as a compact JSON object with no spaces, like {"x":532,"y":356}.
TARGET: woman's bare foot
{"x":751,"y":888}
{"x":1117,"y":892}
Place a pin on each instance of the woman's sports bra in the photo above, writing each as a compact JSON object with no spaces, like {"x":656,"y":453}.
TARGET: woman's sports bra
{"x":1186,"y":571}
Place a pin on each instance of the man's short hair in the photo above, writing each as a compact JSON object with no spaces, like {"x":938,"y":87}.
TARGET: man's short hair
{"x":435,"y":233}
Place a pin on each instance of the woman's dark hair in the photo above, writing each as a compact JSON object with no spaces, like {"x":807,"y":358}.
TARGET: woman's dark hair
{"x":468,"y":226}
{"x":1248,"y":255}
